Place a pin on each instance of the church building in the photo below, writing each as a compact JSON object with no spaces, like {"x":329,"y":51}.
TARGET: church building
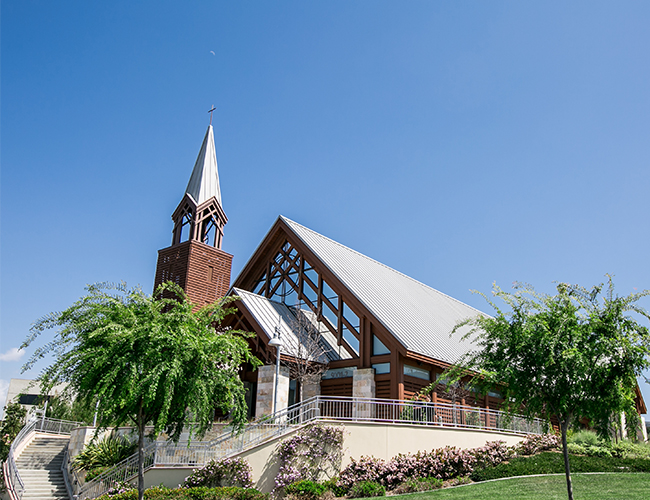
{"x":380,"y":333}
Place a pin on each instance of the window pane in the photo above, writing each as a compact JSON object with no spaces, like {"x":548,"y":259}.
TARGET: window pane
{"x":378,"y":347}
{"x":414,"y":371}
{"x":381,"y":368}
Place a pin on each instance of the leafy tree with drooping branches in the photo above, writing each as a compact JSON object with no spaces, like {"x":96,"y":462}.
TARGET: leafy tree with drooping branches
{"x":574,"y":354}
{"x":150,"y":360}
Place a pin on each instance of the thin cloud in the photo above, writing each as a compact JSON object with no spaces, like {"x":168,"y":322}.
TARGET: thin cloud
{"x":13,"y":354}
{"x":212,"y":52}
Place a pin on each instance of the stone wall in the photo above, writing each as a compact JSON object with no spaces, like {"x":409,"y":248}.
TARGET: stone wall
{"x":363,"y":386}
{"x":266,"y":386}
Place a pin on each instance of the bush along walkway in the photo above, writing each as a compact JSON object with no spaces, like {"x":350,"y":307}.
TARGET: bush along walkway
{"x":553,"y":463}
{"x":445,"y":467}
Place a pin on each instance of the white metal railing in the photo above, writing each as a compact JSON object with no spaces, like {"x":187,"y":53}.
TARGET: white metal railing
{"x":41,"y":424}
{"x":230,"y":442}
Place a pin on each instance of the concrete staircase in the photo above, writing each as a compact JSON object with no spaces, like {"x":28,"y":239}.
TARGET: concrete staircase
{"x":39,"y":466}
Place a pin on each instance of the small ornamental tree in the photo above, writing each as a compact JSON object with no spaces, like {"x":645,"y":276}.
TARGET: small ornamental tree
{"x":150,"y":360}
{"x":306,"y":352}
{"x":571,"y":355}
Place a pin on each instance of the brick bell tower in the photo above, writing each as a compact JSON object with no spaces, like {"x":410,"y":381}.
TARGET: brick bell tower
{"x":195,"y":260}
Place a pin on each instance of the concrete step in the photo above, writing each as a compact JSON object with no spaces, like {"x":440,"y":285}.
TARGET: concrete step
{"x":39,"y":466}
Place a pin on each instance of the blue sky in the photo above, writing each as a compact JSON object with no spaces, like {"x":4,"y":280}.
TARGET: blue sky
{"x":461,"y":143}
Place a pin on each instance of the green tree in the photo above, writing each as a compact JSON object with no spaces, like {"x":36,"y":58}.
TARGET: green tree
{"x":573,"y":354}
{"x":66,"y":407}
{"x":151,"y":360}
{"x":13,"y":421}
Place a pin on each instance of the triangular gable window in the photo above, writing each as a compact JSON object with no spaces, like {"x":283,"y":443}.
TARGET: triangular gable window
{"x":293,"y":281}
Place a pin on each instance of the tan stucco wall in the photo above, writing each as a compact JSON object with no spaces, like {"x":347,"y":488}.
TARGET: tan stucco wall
{"x":169,"y":476}
{"x":360,"y":439}
{"x":381,"y":441}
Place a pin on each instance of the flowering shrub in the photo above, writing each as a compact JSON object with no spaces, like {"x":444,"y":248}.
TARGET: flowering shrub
{"x":226,"y":472}
{"x":440,"y":464}
{"x":119,"y":488}
{"x":533,"y":444}
{"x":491,"y":454}
{"x":365,"y":469}
{"x":311,"y":451}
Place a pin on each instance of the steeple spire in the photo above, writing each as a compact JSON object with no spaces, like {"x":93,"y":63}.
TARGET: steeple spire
{"x":204,"y":182}
{"x":195,"y":260}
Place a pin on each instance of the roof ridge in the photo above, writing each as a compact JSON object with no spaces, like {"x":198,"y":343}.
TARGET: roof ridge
{"x":286,"y":219}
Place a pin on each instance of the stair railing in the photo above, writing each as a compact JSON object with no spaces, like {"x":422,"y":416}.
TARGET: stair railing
{"x":14,"y":483}
{"x":334,"y":408}
{"x":231,"y":441}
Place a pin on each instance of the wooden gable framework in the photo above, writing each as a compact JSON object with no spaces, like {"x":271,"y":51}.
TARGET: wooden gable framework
{"x":284,"y":269}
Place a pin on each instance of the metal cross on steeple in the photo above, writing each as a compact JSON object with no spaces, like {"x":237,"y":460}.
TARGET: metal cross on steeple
{"x":213,"y":108}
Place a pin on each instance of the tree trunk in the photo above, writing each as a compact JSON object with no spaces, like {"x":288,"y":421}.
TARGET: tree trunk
{"x":564,"y":426}
{"x":141,"y":429}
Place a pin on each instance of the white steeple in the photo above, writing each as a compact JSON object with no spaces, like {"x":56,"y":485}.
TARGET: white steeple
{"x":204,"y":182}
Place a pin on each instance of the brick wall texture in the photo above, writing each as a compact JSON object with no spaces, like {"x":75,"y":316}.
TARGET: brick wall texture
{"x":201,"y":270}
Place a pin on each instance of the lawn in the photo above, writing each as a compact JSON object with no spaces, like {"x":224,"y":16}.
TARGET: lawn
{"x":607,"y":486}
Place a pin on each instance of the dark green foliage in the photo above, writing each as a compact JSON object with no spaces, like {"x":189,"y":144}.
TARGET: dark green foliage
{"x":627,"y":449}
{"x":147,"y":359}
{"x":553,"y":463}
{"x":574,"y":354}
{"x":64,"y":407}
{"x":97,"y":471}
{"x":585,"y":438}
{"x":365,"y":489}
{"x":307,"y":490}
{"x":14,"y":421}
{"x":598,"y":451}
{"x":104,"y":453}
{"x":332,"y":485}
{"x":199,"y":493}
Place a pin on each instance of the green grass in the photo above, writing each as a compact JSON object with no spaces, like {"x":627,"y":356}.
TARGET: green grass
{"x":553,"y":463}
{"x":618,"y":486}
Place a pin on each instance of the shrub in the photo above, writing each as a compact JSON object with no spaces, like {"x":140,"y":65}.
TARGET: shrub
{"x":585,"y":438}
{"x":312,"y":451}
{"x":442,"y":463}
{"x":419,"y":484}
{"x":598,"y":451}
{"x":456,"y":481}
{"x":365,"y":469}
{"x":576,"y":449}
{"x":225,"y":472}
{"x":93,"y":473}
{"x":553,"y":463}
{"x":105,"y":453}
{"x":491,"y":454}
{"x":628,"y":449}
{"x":534,"y":443}
{"x":366,"y":489}
{"x":307,"y":490}
{"x":199,"y":493}
{"x":224,"y":493}
{"x":332,"y":486}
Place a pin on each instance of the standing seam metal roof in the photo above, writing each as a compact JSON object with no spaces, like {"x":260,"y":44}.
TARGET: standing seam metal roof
{"x":204,"y":181}
{"x":420,"y":317}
